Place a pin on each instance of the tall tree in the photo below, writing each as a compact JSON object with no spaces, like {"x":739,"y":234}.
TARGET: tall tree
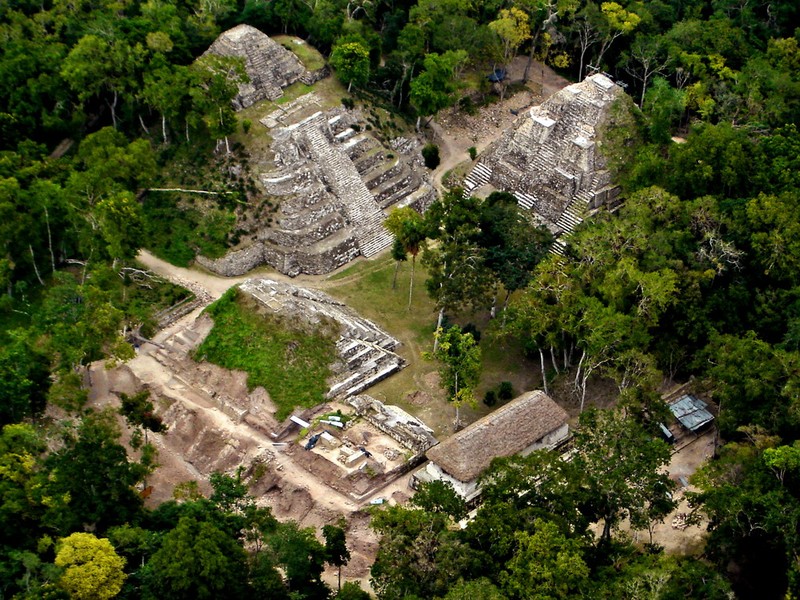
{"x":547,"y":564}
{"x":434,"y":88}
{"x":215,"y":83}
{"x":513,"y":244}
{"x":513,"y":28}
{"x":92,"y":568}
{"x":336,"y":552}
{"x":408,"y":228}
{"x":419,"y":555}
{"x":459,"y":359}
{"x":457,"y":273}
{"x":624,"y":468}
{"x":93,"y":468}
{"x":197,"y":560}
{"x":350,"y":60}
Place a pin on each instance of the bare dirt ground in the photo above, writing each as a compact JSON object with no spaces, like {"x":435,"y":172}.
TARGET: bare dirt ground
{"x":672,"y":533}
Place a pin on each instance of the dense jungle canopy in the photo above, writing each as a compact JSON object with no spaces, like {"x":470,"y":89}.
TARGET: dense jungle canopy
{"x":696,"y":276}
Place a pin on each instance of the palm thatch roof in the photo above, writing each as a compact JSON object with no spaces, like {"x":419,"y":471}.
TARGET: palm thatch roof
{"x":506,"y":431}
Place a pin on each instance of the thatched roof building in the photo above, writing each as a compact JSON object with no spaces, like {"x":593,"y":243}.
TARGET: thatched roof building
{"x":270,"y":66}
{"x":530,"y":422}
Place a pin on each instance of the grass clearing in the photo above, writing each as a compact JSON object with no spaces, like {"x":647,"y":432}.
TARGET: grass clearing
{"x":366,"y":286}
{"x":309,"y":56}
{"x":292,"y":364}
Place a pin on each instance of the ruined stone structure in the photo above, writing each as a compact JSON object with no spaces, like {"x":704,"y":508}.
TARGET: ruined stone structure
{"x":270,"y":66}
{"x":395,"y":422}
{"x":550,"y":159}
{"x":366,"y":352}
{"x":333,"y":185}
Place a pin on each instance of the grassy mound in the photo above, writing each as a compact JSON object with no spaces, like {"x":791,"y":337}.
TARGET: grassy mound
{"x":291,"y":364}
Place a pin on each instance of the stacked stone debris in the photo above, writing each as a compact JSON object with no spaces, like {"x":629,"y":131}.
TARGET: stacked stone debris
{"x":550,"y":159}
{"x":395,"y":422}
{"x":333,"y":185}
{"x":270,"y":66}
{"x":366,"y":352}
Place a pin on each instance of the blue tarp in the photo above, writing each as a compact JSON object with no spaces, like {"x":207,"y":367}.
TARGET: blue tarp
{"x":498,"y":75}
{"x":691,"y":412}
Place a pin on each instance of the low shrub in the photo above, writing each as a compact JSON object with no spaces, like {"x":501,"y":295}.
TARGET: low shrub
{"x":430,"y":152}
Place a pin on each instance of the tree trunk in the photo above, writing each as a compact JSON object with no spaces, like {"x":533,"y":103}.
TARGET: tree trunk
{"x":641,"y":104}
{"x":529,"y":63}
{"x":396,"y":269}
{"x":35,"y":268}
{"x":553,"y":358}
{"x":578,"y":372}
{"x":580,"y":68}
{"x":49,"y":240}
{"x":164,"y":128}
{"x":438,"y":327}
{"x":606,"y":535}
{"x":141,"y":122}
{"x":419,"y":119}
{"x":86,"y":266}
{"x":411,"y":281}
{"x":113,"y":107}
{"x":544,"y":373}
{"x":583,"y":388}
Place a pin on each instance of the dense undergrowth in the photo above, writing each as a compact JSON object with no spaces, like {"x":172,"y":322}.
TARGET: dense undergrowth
{"x":291,"y":363}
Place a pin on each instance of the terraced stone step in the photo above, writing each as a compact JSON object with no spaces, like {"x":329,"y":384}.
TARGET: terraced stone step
{"x":526,"y":201}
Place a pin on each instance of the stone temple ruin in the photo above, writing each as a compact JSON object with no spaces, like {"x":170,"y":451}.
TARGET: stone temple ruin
{"x":396,"y":423}
{"x":550,"y":160}
{"x":366,"y":352}
{"x":333,"y":184}
{"x":270,"y":66}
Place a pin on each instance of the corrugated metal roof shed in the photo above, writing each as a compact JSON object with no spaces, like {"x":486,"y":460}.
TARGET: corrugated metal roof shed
{"x":691,"y":412}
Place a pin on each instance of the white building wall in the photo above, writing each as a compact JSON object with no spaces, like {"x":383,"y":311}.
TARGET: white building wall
{"x":470,"y":489}
{"x":466,"y":489}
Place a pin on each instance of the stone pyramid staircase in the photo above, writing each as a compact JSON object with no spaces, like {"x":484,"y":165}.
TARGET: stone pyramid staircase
{"x":549,"y":161}
{"x":343,"y":178}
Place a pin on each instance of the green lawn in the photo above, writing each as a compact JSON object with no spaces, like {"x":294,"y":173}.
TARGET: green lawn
{"x":308,"y":55}
{"x":291,"y":364}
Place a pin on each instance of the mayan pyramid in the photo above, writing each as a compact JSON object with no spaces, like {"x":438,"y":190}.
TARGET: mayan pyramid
{"x":550,"y":159}
{"x":270,"y":66}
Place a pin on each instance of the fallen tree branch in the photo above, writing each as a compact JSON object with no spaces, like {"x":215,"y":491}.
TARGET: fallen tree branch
{"x":185,"y":191}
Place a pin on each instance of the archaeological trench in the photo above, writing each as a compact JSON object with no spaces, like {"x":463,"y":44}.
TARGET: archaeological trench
{"x":333,"y":184}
